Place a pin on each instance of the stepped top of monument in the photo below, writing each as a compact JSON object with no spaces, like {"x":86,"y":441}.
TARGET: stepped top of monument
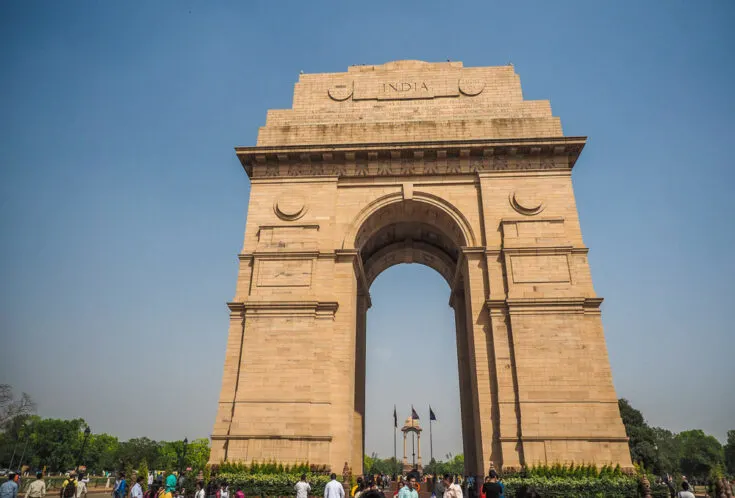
{"x":409,"y":101}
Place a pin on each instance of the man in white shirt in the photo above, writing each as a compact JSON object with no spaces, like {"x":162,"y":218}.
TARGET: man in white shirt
{"x":37,"y":489}
{"x":82,"y":486}
{"x":333,"y":489}
{"x":451,"y":489}
{"x":302,"y":488}
{"x":685,"y":493}
{"x":137,"y":490}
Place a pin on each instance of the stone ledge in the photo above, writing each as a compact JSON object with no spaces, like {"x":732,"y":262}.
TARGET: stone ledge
{"x":317,"y":309}
{"x":546,"y":305}
{"x":596,"y":439}
{"x":225,"y":437}
{"x":411,"y":158}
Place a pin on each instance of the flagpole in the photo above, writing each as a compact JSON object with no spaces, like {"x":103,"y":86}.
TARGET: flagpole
{"x":395,"y":431}
{"x":431,"y":441}
{"x":414,"y":416}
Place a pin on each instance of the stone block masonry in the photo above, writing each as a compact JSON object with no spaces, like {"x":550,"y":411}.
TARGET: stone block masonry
{"x":428,"y":163}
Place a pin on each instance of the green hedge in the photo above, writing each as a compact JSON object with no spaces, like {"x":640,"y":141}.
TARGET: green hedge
{"x":270,"y":468}
{"x":622,"y":486}
{"x":575,"y":487}
{"x":271,"y":484}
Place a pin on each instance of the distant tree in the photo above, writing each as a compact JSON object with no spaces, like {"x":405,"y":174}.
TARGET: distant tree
{"x":373,"y":464}
{"x":700,"y":453}
{"x":668,"y":450}
{"x":433,"y":467}
{"x":11,"y":408}
{"x":132,"y":452}
{"x":102,"y":453}
{"x":730,"y":453}
{"x":170,"y":454}
{"x":454,"y":464}
{"x":197,"y":454}
{"x":642,"y":441}
{"x":56,"y":443}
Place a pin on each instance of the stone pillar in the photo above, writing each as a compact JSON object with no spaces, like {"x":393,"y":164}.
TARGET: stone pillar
{"x":465,"y":389}
{"x":472,"y":265}
{"x":230,"y":381}
{"x":358,"y":437}
{"x":405,"y":459}
{"x":418,"y":448}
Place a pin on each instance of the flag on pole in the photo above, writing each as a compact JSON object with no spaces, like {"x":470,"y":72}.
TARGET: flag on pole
{"x":395,"y":417}
{"x":432,"y":416}
{"x":414,"y":415}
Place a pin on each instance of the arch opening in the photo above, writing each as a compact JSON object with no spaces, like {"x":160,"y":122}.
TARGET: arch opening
{"x":410,"y":351}
{"x":426,"y":232}
{"x":410,"y":231}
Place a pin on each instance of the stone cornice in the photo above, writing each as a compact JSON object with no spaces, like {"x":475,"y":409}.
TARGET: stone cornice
{"x":412,"y":158}
{"x":548,"y":305}
{"x":606,"y":439}
{"x":294,"y":437}
{"x":318,"y":309}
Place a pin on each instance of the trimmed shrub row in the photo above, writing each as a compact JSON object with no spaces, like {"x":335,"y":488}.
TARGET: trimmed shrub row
{"x":272,"y":485}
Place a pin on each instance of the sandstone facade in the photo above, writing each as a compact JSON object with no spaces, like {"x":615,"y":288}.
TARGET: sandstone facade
{"x":430,"y":163}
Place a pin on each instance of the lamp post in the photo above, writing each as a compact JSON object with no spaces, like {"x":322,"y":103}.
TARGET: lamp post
{"x":87,"y":432}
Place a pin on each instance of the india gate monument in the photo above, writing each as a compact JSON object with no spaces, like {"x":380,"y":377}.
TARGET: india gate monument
{"x":435,"y":164}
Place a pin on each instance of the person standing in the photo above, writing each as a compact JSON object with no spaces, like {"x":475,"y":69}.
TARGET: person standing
{"x":170,"y":483}
{"x":491,"y":488}
{"x":439,"y":487}
{"x":224,"y":490}
{"x":685,"y":493}
{"x":451,"y":489}
{"x":302,"y":488}
{"x":239,"y":493}
{"x":82,"y":486}
{"x":137,"y":490}
{"x":9,"y":489}
{"x":212,"y":489}
{"x":333,"y":489}
{"x":409,"y":490}
{"x":121,"y":486}
{"x":200,"y":490}
{"x":69,"y":487}
{"x":37,"y":489}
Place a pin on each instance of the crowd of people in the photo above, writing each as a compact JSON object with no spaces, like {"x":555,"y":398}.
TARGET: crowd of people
{"x":173,"y":486}
{"x":448,"y":486}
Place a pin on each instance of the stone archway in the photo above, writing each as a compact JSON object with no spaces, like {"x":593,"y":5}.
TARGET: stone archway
{"x":426,"y":230}
{"x":441,"y":165}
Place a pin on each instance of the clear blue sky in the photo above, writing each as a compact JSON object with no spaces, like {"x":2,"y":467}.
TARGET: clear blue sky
{"x":122,"y":205}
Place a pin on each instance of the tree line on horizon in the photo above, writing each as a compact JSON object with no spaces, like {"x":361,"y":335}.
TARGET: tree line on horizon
{"x":56,"y":445}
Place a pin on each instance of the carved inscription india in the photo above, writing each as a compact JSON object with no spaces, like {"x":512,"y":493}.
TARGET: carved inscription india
{"x":405,"y":86}
{"x":405,"y":89}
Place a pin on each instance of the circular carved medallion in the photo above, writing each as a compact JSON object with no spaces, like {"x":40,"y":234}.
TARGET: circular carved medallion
{"x":471,"y":86}
{"x":526,"y":203}
{"x":290,"y":207}
{"x":340,"y":91}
